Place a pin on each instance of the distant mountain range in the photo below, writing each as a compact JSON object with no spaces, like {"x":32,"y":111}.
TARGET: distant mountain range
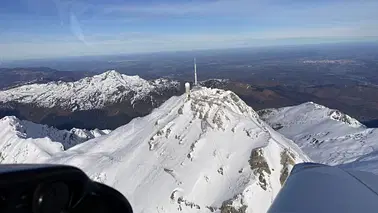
{"x":103,"y":101}
{"x":357,"y":99}
{"x":14,"y":77}
{"x":110,"y":99}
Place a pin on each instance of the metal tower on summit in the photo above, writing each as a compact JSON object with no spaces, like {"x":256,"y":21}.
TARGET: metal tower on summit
{"x":195,"y":72}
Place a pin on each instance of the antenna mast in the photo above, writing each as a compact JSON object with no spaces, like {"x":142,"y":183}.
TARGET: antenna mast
{"x":195,"y":72}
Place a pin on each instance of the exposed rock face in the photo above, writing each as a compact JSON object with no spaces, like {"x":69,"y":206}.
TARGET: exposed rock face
{"x":259,"y":166}
{"x":287,"y":162}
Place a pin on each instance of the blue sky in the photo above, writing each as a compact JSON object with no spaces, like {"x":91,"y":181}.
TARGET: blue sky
{"x":58,"y":28}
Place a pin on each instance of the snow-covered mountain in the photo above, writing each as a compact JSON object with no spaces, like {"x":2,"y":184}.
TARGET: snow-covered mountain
{"x":325,"y":135}
{"x":104,"y":101}
{"x":88,"y":93}
{"x":25,"y":142}
{"x":208,"y":153}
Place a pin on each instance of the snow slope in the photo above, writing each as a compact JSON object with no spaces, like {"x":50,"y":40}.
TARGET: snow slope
{"x":206,"y":153}
{"x":88,"y":93}
{"x":325,"y":135}
{"x":27,"y":142}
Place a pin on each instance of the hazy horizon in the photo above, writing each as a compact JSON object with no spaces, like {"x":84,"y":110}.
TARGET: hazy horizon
{"x":193,"y":51}
{"x":57,"y":28}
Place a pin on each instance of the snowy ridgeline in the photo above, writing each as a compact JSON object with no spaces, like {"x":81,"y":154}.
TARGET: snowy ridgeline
{"x":208,"y":153}
{"x":88,"y":93}
{"x":27,"y":142}
{"x":326,"y":135}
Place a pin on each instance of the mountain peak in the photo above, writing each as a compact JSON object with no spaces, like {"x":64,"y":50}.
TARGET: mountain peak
{"x":203,"y":153}
{"x":218,"y":106}
{"x":200,"y":153}
{"x":314,"y":105}
{"x":115,"y":78}
{"x":88,"y":93}
{"x":114,"y":75}
{"x":333,"y":114}
{"x":326,"y":135}
{"x":108,"y":74}
{"x":308,"y":112}
{"x":111,"y":73}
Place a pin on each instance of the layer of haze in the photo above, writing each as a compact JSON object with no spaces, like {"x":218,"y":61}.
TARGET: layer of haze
{"x":59,"y":28}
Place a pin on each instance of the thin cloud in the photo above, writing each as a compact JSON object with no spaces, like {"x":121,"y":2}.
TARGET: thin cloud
{"x":257,"y":11}
{"x":76,"y":29}
{"x":188,"y":8}
{"x":138,"y":42}
{"x":123,"y":28}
